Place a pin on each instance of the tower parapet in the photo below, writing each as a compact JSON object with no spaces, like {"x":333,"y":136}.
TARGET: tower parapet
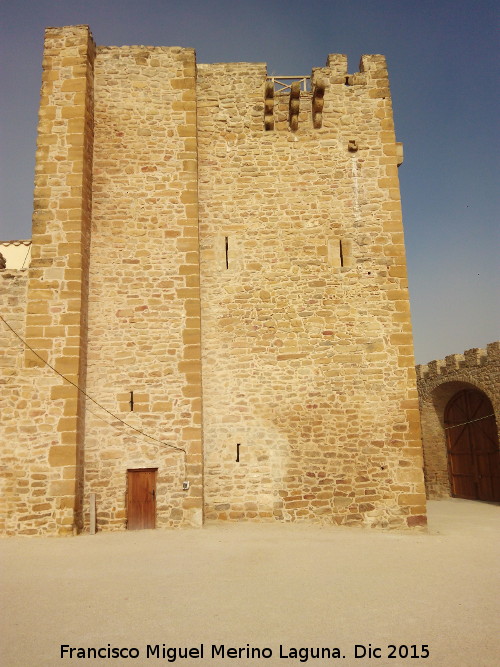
{"x":470,"y":359}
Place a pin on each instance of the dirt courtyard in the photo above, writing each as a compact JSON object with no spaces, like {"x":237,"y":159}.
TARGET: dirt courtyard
{"x":286,"y":593}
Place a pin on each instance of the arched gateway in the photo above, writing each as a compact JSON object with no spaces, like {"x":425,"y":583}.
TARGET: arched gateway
{"x":472,"y":446}
{"x":459,"y":401}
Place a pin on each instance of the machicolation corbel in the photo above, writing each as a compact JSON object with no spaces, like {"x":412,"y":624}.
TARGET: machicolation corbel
{"x":294,"y":106}
{"x":269,"y":106}
{"x":317,"y":103}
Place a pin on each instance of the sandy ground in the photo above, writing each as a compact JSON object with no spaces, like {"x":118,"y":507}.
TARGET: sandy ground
{"x":264,"y":585}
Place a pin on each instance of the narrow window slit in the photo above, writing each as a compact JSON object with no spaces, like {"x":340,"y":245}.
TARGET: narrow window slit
{"x":341,"y":253}
{"x":227,"y":251}
{"x":131,"y":401}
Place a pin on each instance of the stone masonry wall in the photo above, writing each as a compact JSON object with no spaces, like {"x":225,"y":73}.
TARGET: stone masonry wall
{"x":153,"y":173}
{"x":16,"y":486}
{"x":144,"y":317}
{"x":437,"y":382}
{"x":51,"y":431}
{"x":307,"y":345}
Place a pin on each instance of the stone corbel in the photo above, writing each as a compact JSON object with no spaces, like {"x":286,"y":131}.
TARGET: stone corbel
{"x":294,"y":106}
{"x":269,"y":106}
{"x":317,"y":103}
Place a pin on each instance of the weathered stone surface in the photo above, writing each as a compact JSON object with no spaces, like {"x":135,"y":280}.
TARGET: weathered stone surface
{"x":437,"y":382}
{"x":144,"y":317}
{"x":305,"y":363}
{"x":155,"y":176}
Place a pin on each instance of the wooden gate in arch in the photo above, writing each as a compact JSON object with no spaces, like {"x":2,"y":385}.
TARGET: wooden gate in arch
{"x":472,"y":444}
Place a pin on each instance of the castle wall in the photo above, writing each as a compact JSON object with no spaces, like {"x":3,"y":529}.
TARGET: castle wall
{"x":52,"y":422}
{"x":151,"y":174}
{"x":18,"y":491}
{"x":437,"y":383}
{"x":307,"y":348}
{"x":144,"y":313}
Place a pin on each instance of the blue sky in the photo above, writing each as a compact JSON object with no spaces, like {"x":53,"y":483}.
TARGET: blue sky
{"x":442,"y":57}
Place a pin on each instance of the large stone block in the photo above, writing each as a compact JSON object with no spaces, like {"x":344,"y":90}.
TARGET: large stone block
{"x":62,"y":455}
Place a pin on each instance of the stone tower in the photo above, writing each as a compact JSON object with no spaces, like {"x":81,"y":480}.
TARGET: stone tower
{"x":217,"y":261}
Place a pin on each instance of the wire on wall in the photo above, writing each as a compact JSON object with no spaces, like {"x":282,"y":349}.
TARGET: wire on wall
{"x":133,"y":428}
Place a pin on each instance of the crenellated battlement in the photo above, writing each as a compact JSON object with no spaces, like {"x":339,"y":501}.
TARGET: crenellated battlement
{"x":300,"y":99}
{"x":476,"y":373}
{"x":371,"y":68}
{"x":473,"y":358}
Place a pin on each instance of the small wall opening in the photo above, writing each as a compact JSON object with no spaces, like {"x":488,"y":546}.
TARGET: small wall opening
{"x":340,"y":253}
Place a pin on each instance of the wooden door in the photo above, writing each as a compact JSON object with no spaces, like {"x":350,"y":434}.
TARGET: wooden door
{"x":472,"y":441}
{"x":141,"y":498}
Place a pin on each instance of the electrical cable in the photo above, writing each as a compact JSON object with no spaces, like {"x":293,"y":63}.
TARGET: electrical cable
{"x":27,"y":253}
{"x":90,"y":397}
{"x":469,"y":422}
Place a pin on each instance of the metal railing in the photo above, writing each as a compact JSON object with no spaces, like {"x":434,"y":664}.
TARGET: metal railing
{"x":283,"y":84}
